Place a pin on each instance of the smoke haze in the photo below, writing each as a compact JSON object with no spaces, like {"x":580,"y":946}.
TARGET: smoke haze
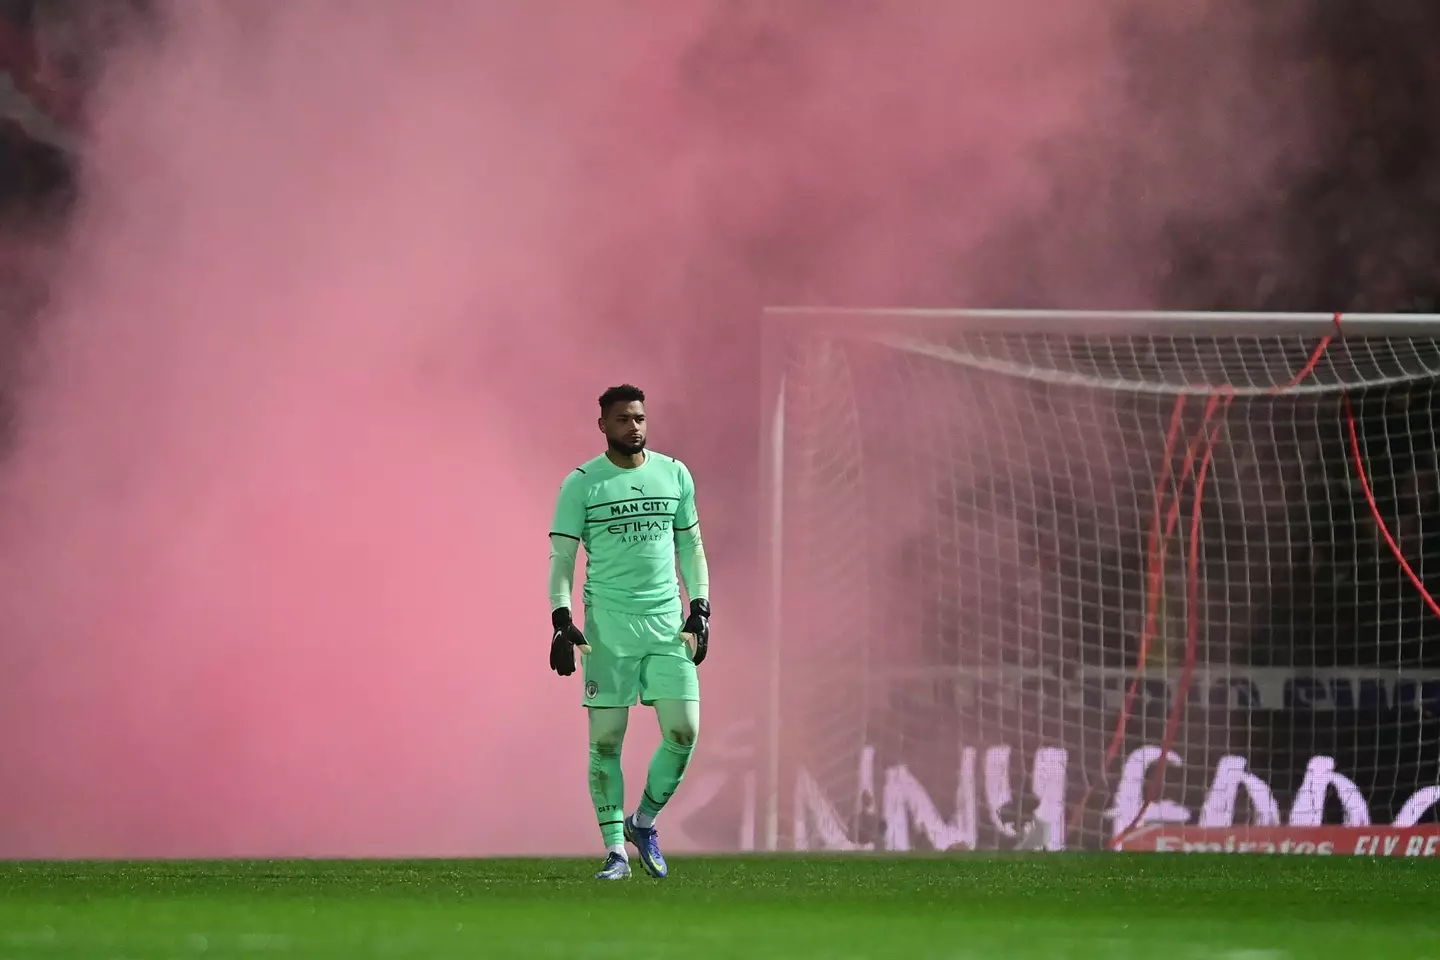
{"x":345,"y":280}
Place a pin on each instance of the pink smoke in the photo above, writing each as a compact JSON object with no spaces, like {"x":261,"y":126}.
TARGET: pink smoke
{"x":345,"y":283}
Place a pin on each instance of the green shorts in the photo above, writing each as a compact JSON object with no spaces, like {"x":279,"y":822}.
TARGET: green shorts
{"x":636,"y":657}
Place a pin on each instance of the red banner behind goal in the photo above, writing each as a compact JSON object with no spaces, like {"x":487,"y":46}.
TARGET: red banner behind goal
{"x":1419,"y":841}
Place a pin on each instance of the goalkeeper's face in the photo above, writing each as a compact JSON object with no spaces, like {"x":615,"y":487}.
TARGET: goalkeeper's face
{"x":624,"y":427}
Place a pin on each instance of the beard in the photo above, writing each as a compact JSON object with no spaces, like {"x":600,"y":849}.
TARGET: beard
{"x":625,"y":447}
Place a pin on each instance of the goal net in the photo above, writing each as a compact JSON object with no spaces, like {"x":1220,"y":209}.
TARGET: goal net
{"x":1041,"y":578}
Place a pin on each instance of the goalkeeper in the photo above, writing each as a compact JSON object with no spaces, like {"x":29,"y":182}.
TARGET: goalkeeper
{"x":634,"y":510}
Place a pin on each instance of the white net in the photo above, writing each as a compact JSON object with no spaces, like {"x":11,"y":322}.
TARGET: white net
{"x":1098,"y":580}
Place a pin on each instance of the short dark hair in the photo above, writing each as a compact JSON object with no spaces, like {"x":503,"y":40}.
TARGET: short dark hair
{"x":625,"y":393}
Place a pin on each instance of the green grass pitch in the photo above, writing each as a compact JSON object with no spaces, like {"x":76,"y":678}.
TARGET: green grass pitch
{"x":1068,"y":906}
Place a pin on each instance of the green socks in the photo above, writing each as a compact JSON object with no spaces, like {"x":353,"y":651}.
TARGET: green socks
{"x":667,"y":769}
{"x":607,"y":790}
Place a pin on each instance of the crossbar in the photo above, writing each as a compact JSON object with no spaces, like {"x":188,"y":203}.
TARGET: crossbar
{"x":1108,"y":322}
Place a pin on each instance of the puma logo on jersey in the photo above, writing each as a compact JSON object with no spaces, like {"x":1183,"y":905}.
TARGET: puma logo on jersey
{"x":639,"y":490}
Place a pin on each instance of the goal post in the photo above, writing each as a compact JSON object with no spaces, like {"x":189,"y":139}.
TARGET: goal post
{"x":1048,"y":579}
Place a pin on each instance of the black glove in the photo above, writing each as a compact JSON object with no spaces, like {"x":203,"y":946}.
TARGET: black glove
{"x":698,"y":624}
{"x":563,"y":642}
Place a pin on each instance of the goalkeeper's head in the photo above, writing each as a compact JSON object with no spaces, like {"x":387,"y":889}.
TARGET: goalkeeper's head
{"x":622,"y":419}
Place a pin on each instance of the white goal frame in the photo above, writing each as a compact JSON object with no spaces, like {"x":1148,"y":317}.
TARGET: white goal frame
{"x":778,"y":323}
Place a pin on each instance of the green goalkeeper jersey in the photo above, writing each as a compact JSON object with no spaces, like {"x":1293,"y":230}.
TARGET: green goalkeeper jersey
{"x":627,"y":519}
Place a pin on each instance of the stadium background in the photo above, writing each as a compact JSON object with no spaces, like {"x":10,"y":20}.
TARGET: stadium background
{"x":1357,"y":231}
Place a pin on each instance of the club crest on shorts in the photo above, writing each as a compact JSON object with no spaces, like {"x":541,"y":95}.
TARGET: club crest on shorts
{"x":591,"y":688}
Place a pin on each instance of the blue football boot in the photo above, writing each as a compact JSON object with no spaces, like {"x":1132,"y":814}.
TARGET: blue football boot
{"x":648,"y":844}
{"x":616,"y":868}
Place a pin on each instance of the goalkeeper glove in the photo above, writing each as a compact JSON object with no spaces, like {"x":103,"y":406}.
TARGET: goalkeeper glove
{"x":697,"y":625}
{"x":563,"y":642}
